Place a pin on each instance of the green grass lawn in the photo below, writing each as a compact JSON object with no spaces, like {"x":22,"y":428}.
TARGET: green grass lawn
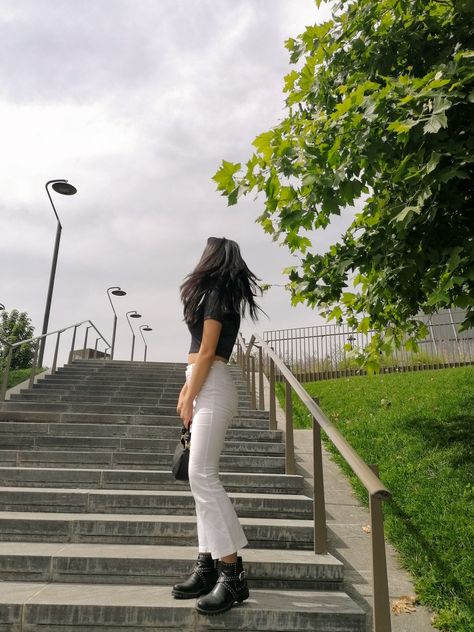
{"x":17,"y":376}
{"x":418,"y":428}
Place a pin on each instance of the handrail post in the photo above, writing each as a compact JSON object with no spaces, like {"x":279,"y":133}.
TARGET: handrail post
{"x":33,"y":366}
{"x":253,"y":393}
{"x":272,"y":406}
{"x":247,"y":372}
{"x":6,"y":373}
{"x":382,"y":621}
{"x":319,"y":505}
{"x":72,"y":344}
{"x":85,"y":344}
{"x":261,"y":396}
{"x":95,"y":348}
{"x":290,"y":447}
{"x":55,"y":360}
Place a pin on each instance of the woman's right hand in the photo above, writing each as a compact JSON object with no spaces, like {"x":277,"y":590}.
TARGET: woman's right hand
{"x":181,"y":398}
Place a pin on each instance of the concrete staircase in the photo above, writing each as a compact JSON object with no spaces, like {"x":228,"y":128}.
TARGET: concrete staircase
{"x":94,"y":530}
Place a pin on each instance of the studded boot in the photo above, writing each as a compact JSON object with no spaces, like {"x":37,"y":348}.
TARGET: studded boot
{"x":201,"y":580}
{"x":231,"y":586}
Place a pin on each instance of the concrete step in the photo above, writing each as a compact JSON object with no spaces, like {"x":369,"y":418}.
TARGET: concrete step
{"x":46,"y":387}
{"x":158,"y":565}
{"x":110,"y":398}
{"x":292,"y":506}
{"x":126,"y":363}
{"x":143,"y":479}
{"x":118,"y":444}
{"x":112,"y":459}
{"x":154,"y":421}
{"x":30,"y":427}
{"x":66,"y":607}
{"x":123,"y":409}
{"x":266,"y":533}
{"x":159,"y":399}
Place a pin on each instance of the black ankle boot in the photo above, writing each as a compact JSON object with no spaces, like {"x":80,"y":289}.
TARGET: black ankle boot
{"x":231,"y":587}
{"x":203,"y":579}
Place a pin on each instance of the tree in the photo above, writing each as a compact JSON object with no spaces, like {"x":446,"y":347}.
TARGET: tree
{"x":14,"y":327}
{"x":379,"y":113}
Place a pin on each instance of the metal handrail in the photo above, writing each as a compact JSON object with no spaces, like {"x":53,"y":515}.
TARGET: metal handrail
{"x":12,"y":346}
{"x":367,"y":474}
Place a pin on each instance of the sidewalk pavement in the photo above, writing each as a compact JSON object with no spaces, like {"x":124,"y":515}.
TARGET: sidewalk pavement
{"x":347,"y":540}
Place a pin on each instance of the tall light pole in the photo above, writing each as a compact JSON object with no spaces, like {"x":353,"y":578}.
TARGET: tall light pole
{"x":145,"y":328}
{"x":133,"y":314}
{"x":64,"y":188}
{"x":117,"y":291}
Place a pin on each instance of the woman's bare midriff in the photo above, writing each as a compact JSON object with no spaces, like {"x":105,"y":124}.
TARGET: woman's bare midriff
{"x":192,"y":357}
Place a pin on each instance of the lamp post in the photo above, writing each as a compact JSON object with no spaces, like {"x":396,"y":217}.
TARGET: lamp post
{"x":64,"y":188}
{"x":133,"y":314}
{"x":144,"y":328}
{"x":116,"y":291}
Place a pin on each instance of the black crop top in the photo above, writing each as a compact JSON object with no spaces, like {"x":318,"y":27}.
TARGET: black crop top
{"x":212,"y":308}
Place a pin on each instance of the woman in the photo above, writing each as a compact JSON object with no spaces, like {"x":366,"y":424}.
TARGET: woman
{"x":215,"y":296}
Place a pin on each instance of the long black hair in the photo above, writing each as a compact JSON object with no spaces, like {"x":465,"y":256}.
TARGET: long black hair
{"x":221,"y":268}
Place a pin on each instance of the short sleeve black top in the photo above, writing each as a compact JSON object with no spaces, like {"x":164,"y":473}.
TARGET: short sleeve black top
{"x":211,"y":307}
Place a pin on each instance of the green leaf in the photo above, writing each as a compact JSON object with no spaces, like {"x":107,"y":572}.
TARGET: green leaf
{"x":432,"y":162}
{"x":225,"y":176}
{"x":364,"y":325}
{"x":400,"y":127}
{"x":263,"y":144}
{"x":335,"y":314}
{"x":435,"y":123}
{"x":406,"y":212}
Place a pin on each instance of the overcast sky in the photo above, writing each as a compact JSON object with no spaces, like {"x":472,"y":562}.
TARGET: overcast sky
{"x":136,"y":102}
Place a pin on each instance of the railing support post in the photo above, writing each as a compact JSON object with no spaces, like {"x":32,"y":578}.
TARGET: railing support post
{"x":290,"y":447}
{"x":55,"y":359}
{"x":33,"y":366}
{"x":253,"y":393}
{"x":6,"y":373}
{"x":247,"y":373}
{"x":319,"y":506}
{"x":261,"y":395}
{"x":382,"y":621}
{"x":273,"y":423}
{"x":85,"y":344}
{"x":72,"y":344}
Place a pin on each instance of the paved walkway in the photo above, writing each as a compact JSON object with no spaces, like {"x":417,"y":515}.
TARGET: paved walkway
{"x":347,"y":540}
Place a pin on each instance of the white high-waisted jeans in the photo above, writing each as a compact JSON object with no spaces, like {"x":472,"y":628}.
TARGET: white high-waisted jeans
{"x":218,"y":528}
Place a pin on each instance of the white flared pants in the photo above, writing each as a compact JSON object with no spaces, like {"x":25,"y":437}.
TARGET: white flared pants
{"x":218,"y":527}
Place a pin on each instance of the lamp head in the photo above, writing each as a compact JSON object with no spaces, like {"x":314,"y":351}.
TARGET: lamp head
{"x":119,"y":292}
{"x":136,"y":315}
{"x":146,"y":328}
{"x":64,"y":188}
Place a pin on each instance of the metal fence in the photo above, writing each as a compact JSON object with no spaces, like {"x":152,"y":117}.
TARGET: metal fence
{"x":319,"y":352}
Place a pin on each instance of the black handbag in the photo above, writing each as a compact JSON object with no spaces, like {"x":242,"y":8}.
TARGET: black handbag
{"x":180,"y":464}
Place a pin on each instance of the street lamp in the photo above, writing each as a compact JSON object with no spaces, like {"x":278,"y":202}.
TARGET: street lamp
{"x":145,"y":328}
{"x":117,"y":291}
{"x":64,"y":188}
{"x":133,"y":314}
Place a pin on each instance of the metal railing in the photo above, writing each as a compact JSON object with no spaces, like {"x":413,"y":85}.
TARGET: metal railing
{"x":367,"y":474}
{"x":11,"y":346}
{"x":319,"y":352}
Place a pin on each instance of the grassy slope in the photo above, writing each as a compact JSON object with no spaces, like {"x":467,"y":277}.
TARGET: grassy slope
{"x":418,"y":427}
{"x":17,"y":376}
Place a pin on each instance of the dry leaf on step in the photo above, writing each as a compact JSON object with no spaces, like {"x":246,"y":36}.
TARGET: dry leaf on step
{"x":367,"y":528}
{"x":406,"y":603}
